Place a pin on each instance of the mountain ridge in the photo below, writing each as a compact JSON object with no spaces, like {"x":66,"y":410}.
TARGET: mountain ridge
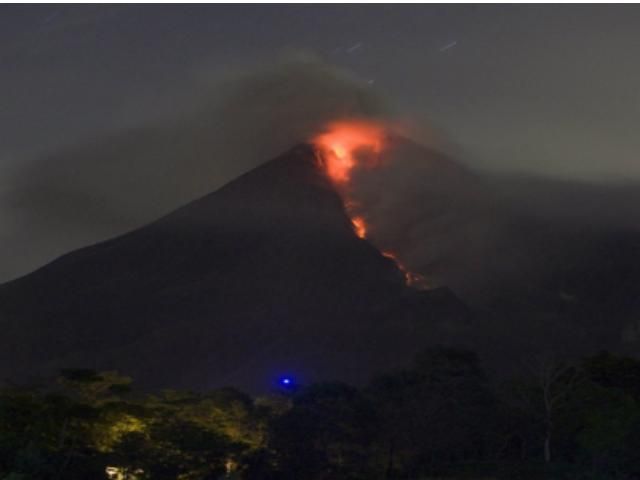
{"x":267,"y":267}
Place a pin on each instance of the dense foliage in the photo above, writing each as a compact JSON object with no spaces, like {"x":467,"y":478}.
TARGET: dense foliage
{"x":442,"y":417}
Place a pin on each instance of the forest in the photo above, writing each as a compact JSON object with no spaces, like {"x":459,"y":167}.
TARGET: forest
{"x":440,"y":417}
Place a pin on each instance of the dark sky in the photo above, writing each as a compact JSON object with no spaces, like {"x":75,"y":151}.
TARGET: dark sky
{"x":545,"y":89}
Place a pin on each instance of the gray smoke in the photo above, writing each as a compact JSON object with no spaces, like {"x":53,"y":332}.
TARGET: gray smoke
{"x":483,"y":235}
{"x":86,"y":193}
{"x":443,"y":219}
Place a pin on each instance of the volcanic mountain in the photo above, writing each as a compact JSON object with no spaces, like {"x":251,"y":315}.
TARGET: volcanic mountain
{"x":263,"y":277}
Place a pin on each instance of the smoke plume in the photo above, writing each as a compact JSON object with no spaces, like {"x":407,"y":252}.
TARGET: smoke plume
{"x":86,"y":193}
{"x":470,"y":231}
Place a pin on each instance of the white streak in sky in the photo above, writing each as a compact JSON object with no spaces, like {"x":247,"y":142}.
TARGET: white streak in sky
{"x":355,"y":47}
{"x":449,"y":45}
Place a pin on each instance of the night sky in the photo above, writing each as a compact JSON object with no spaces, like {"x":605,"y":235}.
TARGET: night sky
{"x":543,"y":89}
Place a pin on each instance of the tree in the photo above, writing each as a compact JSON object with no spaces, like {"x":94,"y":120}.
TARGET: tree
{"x":44,"y":434}
{"x":327,"y":434}
{"x":437,"y":414}
{"x":547,"y":388}
{"x":606,"y":413}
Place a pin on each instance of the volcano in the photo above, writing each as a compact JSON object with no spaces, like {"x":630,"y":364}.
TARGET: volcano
{"x":266,"y":276}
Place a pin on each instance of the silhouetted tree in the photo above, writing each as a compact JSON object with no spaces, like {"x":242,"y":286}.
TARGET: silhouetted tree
{"x":328,"y":433}
{"x":438,"y":413}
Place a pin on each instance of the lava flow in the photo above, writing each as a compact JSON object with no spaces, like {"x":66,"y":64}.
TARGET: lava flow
{"x":359,"y":226}
{"x":341,"y":142}
{"x":347,"y":145}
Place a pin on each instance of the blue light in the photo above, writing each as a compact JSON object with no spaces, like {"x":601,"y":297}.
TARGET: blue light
{"x":286,"y":381}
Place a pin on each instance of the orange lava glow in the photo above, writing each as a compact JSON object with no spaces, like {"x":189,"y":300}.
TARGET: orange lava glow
{"x":412,"y":279}
{"x":359,"y":226}
{"x":342,"y":146}
{"x":341,"y":142}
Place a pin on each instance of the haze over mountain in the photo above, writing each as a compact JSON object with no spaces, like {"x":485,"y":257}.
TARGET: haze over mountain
{"x":546,"y":265}
{"x":262,"y":277}
{"x":266,"y":275}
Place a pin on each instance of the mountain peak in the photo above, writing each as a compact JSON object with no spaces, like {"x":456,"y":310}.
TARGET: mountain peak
{"x":262,"y":276}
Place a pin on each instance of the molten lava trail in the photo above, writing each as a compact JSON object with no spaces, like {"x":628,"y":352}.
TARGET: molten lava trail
{"x":339,"y":145}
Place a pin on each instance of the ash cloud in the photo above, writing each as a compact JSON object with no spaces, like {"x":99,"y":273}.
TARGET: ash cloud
{"x":222,"y":128}
{"x":492,"y":237}
{"x":436,"y":215}
{"x":473,"y":232}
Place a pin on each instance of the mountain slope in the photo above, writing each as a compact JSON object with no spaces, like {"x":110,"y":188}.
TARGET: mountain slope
{"x":261,"y":277}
